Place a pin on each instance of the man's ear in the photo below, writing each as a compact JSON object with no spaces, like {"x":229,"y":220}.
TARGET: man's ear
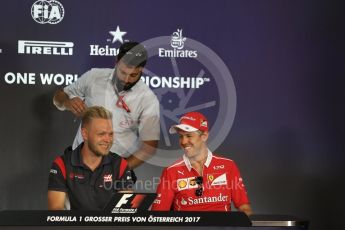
{"x":204,"y":136}
{"x":84,"y":133}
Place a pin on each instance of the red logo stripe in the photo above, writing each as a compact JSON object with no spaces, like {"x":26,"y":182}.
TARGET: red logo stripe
{"x":123,"y":166}
{"x":61,"y":165}
{"x":137,"y":200}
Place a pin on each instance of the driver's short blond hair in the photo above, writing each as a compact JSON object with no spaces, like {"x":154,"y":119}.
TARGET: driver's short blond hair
{"x":95,"y":112}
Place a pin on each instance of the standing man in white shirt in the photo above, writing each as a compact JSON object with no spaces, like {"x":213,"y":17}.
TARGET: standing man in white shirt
{"x":134,"y":106}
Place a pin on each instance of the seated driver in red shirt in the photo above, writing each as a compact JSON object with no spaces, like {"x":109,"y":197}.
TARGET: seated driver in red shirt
{"x":201,"y":180}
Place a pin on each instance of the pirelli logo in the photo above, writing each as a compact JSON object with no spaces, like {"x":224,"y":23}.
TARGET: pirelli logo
{"x":45,"y":47}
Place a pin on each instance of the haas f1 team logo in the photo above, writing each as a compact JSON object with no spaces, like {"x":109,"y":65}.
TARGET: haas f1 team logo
{"x":131,"y":202}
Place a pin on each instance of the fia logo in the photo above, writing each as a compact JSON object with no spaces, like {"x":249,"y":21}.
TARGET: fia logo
{"x":47,"y":11}
{"x":177,"y":41}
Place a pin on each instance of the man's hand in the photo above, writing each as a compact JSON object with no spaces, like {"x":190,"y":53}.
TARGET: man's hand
{"x":246,"y":208}
{"x":75,"y":105}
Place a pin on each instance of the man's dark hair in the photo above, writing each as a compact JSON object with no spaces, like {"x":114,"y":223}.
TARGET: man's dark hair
{"x":132,"y":54}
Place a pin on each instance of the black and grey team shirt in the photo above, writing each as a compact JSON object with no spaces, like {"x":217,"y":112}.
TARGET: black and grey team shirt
{"x":87,"y":189}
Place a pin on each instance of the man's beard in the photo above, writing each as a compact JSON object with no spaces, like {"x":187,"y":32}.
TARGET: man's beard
{"x":123,"y":87}
{"x":92,"y":147}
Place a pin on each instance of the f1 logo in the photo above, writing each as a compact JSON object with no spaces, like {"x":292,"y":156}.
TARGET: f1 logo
{"x":123,"y":200}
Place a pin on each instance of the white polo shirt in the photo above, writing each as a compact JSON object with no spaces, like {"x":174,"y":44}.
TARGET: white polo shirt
{"x":95,"y":87}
